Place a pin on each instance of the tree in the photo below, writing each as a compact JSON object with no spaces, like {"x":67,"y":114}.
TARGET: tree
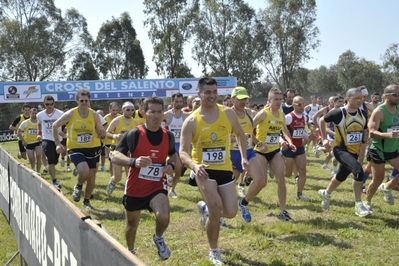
{"x":119,"y":54}
{"x":224,"y":40}
{"x":83,"y":68}
{"x":289,"y":36}
{"x":35,"y":39}
{"x":324,"y":79}
{"x":354,"y":71}
{"x":390,"y":64}
{"x":170,"y":23}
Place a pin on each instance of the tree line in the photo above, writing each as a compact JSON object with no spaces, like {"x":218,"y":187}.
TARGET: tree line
{"x":261,"y":48}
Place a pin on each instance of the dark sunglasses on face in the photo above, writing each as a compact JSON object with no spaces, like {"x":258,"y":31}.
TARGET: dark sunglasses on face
{"x":394,"y":94}
{"x":129,"y":110}
{"x":84,"y":101}
{"x":49,"y":104}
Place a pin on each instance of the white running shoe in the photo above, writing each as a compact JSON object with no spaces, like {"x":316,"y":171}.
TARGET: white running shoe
{"x":388,"y":197}
{"x":241,"y":190}
{"x":325,"y":203}
{"x":215,"y":258}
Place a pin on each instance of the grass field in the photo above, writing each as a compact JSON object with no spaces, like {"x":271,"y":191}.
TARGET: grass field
{"x":336,"y":237}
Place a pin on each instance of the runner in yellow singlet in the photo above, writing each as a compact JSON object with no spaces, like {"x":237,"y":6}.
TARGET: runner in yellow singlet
{"x":118,"y":127}
{"x":207,"y":130}
{"x":269,"y":122}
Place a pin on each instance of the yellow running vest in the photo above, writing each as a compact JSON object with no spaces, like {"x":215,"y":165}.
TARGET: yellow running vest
{"x":107,"y":118}
{"x":211,"y":142}
{"x":123,"y":128}
{"x":246,"y":125}
{"x":30,"y":132}
{"x":349,"y":132}
{"x":268,"y":131}
{"x":81,"y":132}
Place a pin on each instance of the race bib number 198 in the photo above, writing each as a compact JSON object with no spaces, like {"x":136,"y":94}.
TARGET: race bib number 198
{"x":214,"y":155}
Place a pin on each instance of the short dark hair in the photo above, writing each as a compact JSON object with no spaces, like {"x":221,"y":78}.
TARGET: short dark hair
{"x":178,"y":95}
{"x":82,"y":92}
{"x":206,"y":81}
{"x":375,"y":93}
{"x":152,"y":100}
{"x":49,"y":98}
{"x":227,"y":97}
{"x":26,"y":105}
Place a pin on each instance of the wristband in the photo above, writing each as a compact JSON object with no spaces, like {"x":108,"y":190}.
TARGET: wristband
{"x":172,"y":164}
{"x":259,"y":144}
{"x":39,"y":133}
{"x":132,"y":162}
{"x":115,"y":136}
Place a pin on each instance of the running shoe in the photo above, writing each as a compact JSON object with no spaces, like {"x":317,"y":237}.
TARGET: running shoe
{"x":241,"y":190}
{"x":367,"y":205}
{"x":325,"y":203}
{"x":245,"y":214}
{"x":163,"y":250}
{"x":317,"y":152}
{"x":202,"y":208}
{"x":76,"y":193}
{"x":110,"y":187}
{"x":87,"y":205}
{"x":388,"y":197}
{"x":284,"y":216}
{"x":361,"y":210}
{"x":247,"y":180}
{"x":215,"y":258}
{"x":222,"y":222}
{"x":172,"y":194}
{"x":56,"y":184}
{"x":301,"y":197}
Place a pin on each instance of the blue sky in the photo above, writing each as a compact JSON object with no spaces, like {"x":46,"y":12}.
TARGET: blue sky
{"x":367,"y":27}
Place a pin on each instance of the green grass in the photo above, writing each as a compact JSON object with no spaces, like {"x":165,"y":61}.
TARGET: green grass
{"x":337,"y":237}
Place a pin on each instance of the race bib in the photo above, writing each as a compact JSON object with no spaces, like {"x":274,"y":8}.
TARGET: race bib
{"x":249,"y":141}
{"x":393,"y":128}
{"x":32,"y":131}
{"x":84,"y":138}
{"x":272,"y":139}
{"x":354,"y":138}
{"x":213,"y":155}
{"x":176,"y":134}
{"x":298,"y":133}
{"x":152,"y":172}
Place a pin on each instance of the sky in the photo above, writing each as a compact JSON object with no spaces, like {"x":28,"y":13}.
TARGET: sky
{"x":366,"y":27}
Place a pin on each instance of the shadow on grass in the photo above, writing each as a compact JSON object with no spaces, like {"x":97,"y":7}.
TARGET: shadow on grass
{"x":316,"y":240}
{"x":244,"y":261}
{"x":322,"y":223}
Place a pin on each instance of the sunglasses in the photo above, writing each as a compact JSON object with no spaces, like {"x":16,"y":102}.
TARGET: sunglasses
{"x":358,"y":98}
{"x":299,"y":104}
{"x":394,"y":94}
{"x":84,"y":101}
{"x":49,"y":104}
{"x":129,"y":110}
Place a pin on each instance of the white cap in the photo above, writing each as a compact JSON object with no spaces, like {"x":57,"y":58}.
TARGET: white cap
{"x":127,"y":104}
{"x":197,"y":99}
{"x":365,"y":91}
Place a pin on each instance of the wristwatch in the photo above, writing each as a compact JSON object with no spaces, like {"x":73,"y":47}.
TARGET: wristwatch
{"x":172,"y":164}
{"x":259,"y":144}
